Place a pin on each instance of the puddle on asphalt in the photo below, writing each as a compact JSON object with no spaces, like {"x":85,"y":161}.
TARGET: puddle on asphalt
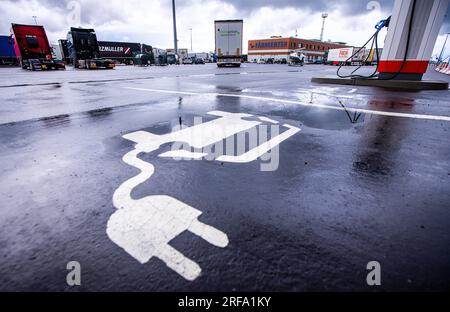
{"x":329,"y":119}
{"x":55,"y":121}
{"x":228,"y":89}
{"x":100,"y":113}
{"x":320,"y":118}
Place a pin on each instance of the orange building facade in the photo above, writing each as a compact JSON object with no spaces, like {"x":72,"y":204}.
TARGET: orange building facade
{"x":279,"y":48}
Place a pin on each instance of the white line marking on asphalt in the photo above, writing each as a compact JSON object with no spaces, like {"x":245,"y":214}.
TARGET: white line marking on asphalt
{"x":182,"y":154}
{"x":349,"y":109}
{"x":261,"y":149}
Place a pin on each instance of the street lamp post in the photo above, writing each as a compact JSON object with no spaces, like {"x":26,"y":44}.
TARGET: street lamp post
{"x":191,"y":39}
{"x":324,"y":16}
{"x":443,"y":48}
{"x":175,"y":40}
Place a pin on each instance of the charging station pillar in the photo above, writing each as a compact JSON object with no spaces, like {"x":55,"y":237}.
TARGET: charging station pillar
{"x":427,"y":20}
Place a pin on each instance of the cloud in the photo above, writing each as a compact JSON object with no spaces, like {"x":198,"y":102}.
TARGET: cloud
{"x":150,"y":21}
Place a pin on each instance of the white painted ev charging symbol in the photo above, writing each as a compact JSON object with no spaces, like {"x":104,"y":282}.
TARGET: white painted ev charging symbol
{"x":144,"y":227}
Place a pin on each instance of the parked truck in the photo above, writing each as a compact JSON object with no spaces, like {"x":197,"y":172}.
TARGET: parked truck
{"x":339,"y":56}
{"x":84,"y":50}
{"x":370,"y":56}
{"x":65,"y":51}
{"x":160,"y":56}
{"x":346,"y":56}
{"x":228,"y":37}
{"x":7,"y":53}
{"x":33,"y":49}
{"x":145,"y":57}
{"x":122,"y":52}
{"x":56,"y":52}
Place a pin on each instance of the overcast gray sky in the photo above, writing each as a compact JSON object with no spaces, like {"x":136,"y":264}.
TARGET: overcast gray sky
{"x":150,"y":21}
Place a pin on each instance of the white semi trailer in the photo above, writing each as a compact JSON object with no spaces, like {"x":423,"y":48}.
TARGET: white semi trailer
{"x":341,"y":56}
{"x":228,"y":35}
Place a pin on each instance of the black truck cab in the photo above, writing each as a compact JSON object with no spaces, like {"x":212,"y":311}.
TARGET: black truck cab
{"x":84,"y":50}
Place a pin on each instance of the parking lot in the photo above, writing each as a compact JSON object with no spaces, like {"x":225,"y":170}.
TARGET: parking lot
{"x":365,"y":178}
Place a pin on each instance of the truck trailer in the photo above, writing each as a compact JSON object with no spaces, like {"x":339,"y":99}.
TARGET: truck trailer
{"x":64,"y":51}
{"x":370,"y":56}
{"x":122,"y":52}
{"x":33,"y":49}
{"x":228,"y":38}
{"x":84,"y":50}
{"x":56,"y":52}
{"x":341,"y":56}
{"x":7,"y":52}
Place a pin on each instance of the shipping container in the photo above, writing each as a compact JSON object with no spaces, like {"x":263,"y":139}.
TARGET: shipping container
{"x":228,"y":41}
{"x":33,"y":49}
{"x":7,"y":52}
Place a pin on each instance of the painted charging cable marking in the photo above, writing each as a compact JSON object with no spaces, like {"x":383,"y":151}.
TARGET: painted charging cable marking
{"x":144,"y":227}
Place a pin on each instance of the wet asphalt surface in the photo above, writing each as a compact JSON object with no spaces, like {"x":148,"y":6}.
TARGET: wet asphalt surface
{"x":348,"y":190}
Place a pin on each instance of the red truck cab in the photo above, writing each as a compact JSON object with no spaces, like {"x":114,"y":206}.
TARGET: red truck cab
{"x":33,"y":49}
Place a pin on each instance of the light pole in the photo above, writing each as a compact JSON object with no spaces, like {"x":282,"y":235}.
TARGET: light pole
{"x":443,"y":48}
{"x":191,"y":39}
{"x":324,"y":16}
{"x":175,"y":40}
{"x":35,"y":19}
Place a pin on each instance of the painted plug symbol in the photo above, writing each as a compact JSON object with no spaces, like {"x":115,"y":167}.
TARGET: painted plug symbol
{"x":144,"y":227}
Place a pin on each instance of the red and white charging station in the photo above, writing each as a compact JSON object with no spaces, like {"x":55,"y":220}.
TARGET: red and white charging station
{"x":414,"y":26}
